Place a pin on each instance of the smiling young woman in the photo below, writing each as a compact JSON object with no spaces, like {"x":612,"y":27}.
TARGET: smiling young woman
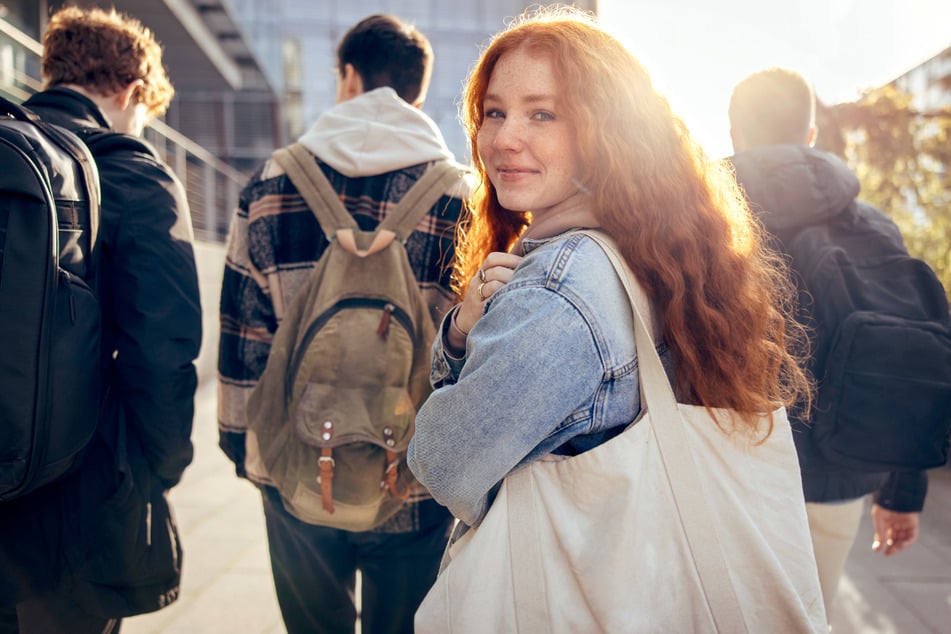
{"x":568,"y":134}
{"x":527,"y":144}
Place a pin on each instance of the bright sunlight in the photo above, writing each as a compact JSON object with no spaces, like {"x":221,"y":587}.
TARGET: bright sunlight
{"x":696,"y":51}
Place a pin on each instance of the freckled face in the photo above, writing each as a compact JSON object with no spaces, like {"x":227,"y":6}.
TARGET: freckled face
{"x":525,"y":142}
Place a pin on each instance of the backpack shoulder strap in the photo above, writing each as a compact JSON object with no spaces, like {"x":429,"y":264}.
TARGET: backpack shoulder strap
{"x":69,"y":142}
{"x":315,"y":189}
{"x":420,"y":198}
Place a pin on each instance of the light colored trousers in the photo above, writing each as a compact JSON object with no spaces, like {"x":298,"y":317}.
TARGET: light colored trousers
{"x":833,"y":527}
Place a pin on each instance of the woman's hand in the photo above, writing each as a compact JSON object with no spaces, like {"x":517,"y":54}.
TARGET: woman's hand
{"x":495,"y":272}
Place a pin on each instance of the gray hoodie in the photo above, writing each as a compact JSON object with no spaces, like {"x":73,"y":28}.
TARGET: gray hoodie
{"x":794,"y":185}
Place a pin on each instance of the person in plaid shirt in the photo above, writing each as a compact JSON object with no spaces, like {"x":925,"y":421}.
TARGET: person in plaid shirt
{"x":372,"y":146}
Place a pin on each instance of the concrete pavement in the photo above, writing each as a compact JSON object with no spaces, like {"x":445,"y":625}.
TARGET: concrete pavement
{"x":227,"y":585}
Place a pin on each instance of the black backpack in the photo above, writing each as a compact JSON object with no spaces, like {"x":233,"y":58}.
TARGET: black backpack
{"x":50,"y":322}
{"x":881,"y":344}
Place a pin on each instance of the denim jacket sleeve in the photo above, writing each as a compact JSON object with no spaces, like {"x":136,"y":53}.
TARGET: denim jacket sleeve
{"x":526,"y":384}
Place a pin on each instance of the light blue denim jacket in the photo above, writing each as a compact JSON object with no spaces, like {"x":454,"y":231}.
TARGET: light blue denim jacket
{"x":551,"y":365}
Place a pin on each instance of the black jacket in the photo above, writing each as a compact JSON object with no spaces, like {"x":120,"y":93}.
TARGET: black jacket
{"x":107,"y":533}
{"x":789,"y":187}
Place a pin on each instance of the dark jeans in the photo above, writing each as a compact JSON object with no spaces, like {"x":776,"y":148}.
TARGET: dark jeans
{"x":53,"y":614}
{"x":314,"y":570}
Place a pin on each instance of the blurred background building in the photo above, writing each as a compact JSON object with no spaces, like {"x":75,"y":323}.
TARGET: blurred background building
{"x":252,"y":75}
{"x":929,"y":83}
{"x":217,"y":81}
{"x":296,"y":43}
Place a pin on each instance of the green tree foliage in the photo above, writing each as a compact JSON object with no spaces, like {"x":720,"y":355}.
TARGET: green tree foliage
{"x":903,"y":160}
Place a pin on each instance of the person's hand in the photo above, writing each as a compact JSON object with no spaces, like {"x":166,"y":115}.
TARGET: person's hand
{"x":894,"y":531}
{"x":495,"y":272}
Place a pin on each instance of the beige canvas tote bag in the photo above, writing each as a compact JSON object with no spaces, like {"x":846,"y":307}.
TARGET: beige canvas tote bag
{"x":672,"y":526}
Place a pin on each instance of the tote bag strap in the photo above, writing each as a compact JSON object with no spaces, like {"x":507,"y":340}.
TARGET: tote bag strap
{"x":528,"y":577}
{"x":670,"y":432}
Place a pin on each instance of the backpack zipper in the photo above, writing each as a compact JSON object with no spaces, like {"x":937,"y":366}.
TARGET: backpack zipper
{"x":389,"y":310}
{"x":383,"y":329}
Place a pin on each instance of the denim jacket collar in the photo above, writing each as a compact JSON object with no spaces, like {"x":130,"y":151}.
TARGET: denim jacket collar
{"x":530,"y":244}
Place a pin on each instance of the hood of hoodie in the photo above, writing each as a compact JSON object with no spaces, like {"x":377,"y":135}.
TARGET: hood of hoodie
{"x":374,"y":133}
{"x":794,"y":185}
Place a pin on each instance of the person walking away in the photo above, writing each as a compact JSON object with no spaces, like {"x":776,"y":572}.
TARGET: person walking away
{"x":798,"y":190}
{"x":81,"y":553}
{"x":372,"y":147}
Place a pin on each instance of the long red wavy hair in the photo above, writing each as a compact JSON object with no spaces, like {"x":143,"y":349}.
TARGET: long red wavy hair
{"x":679,"y":219}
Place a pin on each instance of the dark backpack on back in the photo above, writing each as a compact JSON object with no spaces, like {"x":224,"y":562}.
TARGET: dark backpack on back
{"x":334,"y":410}
{"x":50,"y":322}
{"x":881,"y":344}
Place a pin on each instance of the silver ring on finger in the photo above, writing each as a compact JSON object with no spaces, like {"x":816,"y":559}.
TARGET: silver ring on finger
{"x":481,"y":294}
{"x":482,"y":275}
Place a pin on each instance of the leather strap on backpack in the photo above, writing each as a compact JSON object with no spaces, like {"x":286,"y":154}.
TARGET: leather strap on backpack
{"x":391,"y":475}
{"x":325,"y":465}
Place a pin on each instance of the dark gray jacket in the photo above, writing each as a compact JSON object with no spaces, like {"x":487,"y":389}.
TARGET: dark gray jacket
{"x":790,"y":187}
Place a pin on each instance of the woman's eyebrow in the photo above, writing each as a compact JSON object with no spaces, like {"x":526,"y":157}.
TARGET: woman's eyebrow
{"x":523,"y":98}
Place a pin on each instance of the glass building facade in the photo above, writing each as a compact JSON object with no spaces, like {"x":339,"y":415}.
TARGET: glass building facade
{"x":302,"y":63}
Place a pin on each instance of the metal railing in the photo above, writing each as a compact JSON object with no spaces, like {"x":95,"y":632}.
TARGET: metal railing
{"x":211,"y":185}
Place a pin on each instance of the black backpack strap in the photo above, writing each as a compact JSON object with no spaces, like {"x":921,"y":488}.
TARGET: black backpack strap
{"x":69,"y":143}
{"x":18,"y":112}
{"x":299,"y":165}
{"x":420,"y":198}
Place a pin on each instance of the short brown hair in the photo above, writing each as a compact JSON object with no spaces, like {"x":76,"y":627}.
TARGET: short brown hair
{"x":388,"y":52}
{"x":773,"y":106}
{"x":105,"y":51}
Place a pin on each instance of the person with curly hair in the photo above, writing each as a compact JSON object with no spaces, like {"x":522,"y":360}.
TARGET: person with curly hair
{"x":564,"y":140}
{"x":567,"y":134}
{"x":101,"y":544}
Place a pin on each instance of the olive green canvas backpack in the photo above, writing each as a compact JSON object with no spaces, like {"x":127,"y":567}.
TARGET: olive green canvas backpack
{"x":334,"y":410}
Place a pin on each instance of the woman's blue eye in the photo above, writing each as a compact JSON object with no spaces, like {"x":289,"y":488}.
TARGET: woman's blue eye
{"x":494,"y":114}
{"x":543,"y":116}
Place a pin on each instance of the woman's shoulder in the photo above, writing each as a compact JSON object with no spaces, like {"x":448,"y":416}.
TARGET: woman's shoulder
{"x":576,"y":270}
{"x":568,"y":258}
{"x":574,"y":266}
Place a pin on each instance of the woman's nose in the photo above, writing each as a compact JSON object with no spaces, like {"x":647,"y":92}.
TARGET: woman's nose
{"x":509,"y":135}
